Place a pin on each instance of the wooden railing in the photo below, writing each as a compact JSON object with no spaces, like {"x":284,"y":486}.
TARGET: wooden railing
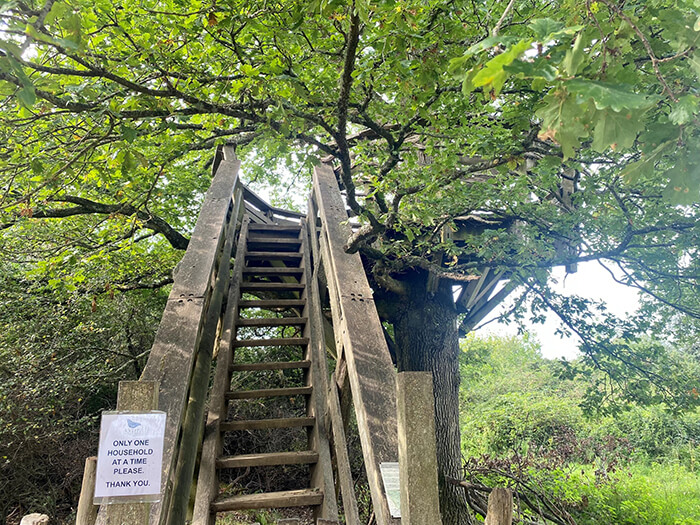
{"x":363,"y":378}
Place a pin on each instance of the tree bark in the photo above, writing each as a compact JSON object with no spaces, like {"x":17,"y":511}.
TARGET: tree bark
{"x":426,"y":336}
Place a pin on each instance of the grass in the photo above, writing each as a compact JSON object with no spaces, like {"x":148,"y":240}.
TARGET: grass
{"x":651,"y":494}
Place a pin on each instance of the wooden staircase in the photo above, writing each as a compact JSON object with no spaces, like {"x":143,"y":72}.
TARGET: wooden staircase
{"x":266,"y":317}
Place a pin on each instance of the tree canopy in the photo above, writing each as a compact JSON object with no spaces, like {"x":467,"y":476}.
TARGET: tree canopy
{"x":556,"y":131}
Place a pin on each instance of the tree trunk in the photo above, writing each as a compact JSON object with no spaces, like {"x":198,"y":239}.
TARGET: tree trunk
{"x":425,"y":331}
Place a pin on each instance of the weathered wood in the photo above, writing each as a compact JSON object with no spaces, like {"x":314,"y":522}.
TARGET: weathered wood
{"x":174,"y":349}
{"x":267,"y":459}
{"x":207,"y":482}
{"x":285,"y":256}
{"x":277,"y":227}
{"x":276,"y":270}
{"x":258,"y":424}
{"x":418,"y":470}
{"x":272,"y":303}
{"x":372,"y":375}
{"x":193,"y":424}
{"x":87,"y":511}
{"x":288,"y":498}
{"x":273,"y":321}
{"x":275,"y":341}
{"x":270,"y":392}
{"x":138,"y":396}
{"x":271,"y":365}
{"x":270,"y":286}
{"x":500,"y":507}
{"x":322,"y":472}
{"x":347,"y":485}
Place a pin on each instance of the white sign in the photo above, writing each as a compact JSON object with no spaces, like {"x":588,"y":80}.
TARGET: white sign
{"x":130,"y":457}
{"x":392,"y":487}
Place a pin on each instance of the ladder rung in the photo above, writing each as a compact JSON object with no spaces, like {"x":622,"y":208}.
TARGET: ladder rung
{"x":273,"y":255}
{"x":275,"y":270}
{"x":271,"y":303}
{"x":287,"y":498}
{"x":272,"y":321}
{"x":267,"y":459}
{"x":278,"y":227}
{"x":246,"y":287}
{"x":277,"y":341}
{"x":275,"y":365}
{"x":266,"y":239}
{"x":270,"y":392}
{"x":260,"y":424}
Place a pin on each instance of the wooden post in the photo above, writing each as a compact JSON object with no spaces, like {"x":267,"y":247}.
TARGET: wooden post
{"x":417,"y":449}
{"x":138,"y":396}
{"x":87,"y":511}
{"x":500,"y":509}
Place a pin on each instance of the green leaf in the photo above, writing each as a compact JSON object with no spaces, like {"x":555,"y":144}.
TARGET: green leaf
{"x":539,"y":68}
{"x":574,"y":56}
{"x":27,"y":96}
{"x":683,"y":182}
{"x":493,"y":73}
{"x":129,"y":162}
{"x":563,"y":120}
{"x":604,"y":95}
{"x":684,"y":110}
{"x":37,"y":166}
{"x":543,"y":27}
{"x":128,"y":133}
{"x":615,"y":130}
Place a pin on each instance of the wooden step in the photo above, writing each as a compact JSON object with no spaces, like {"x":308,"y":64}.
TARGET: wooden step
{"x":267,"y":459}
{"x":257,"y":255}
{"x":277,"y":341}
{"x":273,"y":365}
{"x":274,"y":227}
{"x":272,"y":270}
{"x":271,"y":303}
{"x":257,"y":287}
{"x":285,"y":243}
{"x":260,"y":424}
{"x":272,"y":321}
{"x":269,"y":392}
{"x":268,"y":500}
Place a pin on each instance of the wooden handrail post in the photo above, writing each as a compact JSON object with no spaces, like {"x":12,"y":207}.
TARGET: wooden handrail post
{"x":138,"y":396}
{"x":418,"y":472}
{"x":87,"y":511}
{"x":500,"y":507}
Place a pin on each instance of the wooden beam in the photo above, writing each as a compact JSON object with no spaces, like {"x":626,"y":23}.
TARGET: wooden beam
{"x":371,"y":372}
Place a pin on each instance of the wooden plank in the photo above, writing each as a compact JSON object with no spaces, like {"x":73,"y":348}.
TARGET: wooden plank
{"x":342,"y":459}
{"x":288,"y":498}
{"x":271,"y":303}
{"x":276,"y":227}
{"x":371,"y":371}
{"x":271,"y":287}
{"x":193,"y":424}
{"x":269,"y":392}
{"x":207,"y":482}
{"x":267,"y":459}
{"x":275,"y":270}
{"x":273,"y":365}
{"x":260,"y":424}
{"x":291,"y":256}
{"x":275,"y":341}
{"x":274,"y":241}
{"x":173,"y":352}
{"x":322,"y":472}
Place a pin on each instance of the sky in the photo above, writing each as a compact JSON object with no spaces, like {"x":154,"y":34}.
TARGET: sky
{"x":591,"y":281}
